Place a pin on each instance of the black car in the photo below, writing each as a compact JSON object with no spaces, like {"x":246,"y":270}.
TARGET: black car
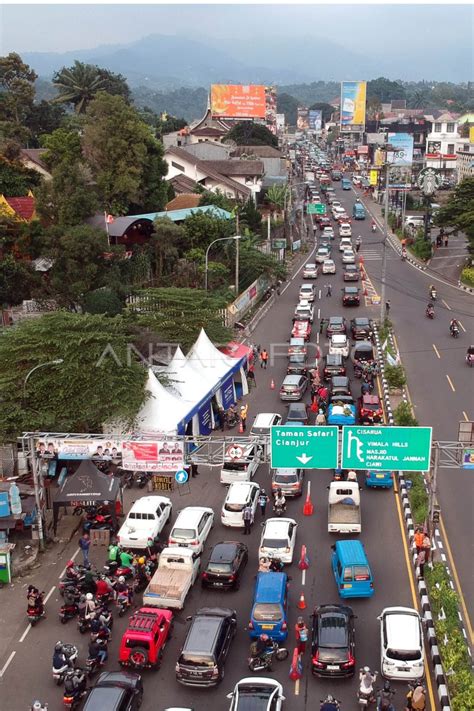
{"x":361,"y":329}
{"x":333,"y":364}
{"x":351,"y":296}
{"x":202,"y":658}
{"x":225,"y":566}
{"x":115,"y":691}
{"x":333,"y":641}
{"x":297,"y":364}
{"x":340,"y":385}
{"x":336,"y":324}
{"x":351,"y":272}
{"x":297,"y":413}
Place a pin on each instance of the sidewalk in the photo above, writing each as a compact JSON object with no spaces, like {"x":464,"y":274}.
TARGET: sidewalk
{"x":446,"y":262}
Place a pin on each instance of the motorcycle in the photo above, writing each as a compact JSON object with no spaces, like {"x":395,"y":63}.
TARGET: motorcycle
{"x":329,"y":704}
{"x":454,"y":330}
{"x":384,"y":699}
{"x":430,"y":313}
{"x":366,"y":692}
{"x":115,"y":570}
{"x":470,"y":359}
{"x":128,"y":479}
{"x":231,"y":419}
{"x":36,"y":612}
{"x":433,"y":295}
{"x":72,"y":699}
{"x":83,"y":624}
{"x":279,"y":509}
{"x":68,"y":612}
{"x":93,"y":664}
{"x":374,"y":227}
{"x":263,"y":662}
{"x":411,"y":693}
{"x":142,"y":479}
{"x":403,"y":256}
{"x":70,"y":651}
{"x":123,"y":603}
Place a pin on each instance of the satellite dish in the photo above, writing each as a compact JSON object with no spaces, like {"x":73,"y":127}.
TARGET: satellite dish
{"x":231,"y":144}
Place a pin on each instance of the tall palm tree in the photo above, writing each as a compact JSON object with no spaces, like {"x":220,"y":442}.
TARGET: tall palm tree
{"x":78,"y":85}
{"x":419,"y":100}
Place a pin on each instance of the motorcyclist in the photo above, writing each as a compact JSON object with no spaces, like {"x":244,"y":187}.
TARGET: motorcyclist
{"x":34,"y":598}
{"x":263,"y":645}
{"x":103,"y":588}
{"x":142,"y":573}
{"x":97,"y":627}
{"x":97,"y":651}
{"x":430,"y":308}
{"x":126,"y":559}
{"x":90,"y":606}
{"x":123,"y":590}
{"x":358,"y":241}
{"x":470,"y":354}
{"x":351,"y":475}
{"x":38,"y":706}
{"x":374,"y":226}
{"x":416,"y":698}
{"x":264,"y":565}
{"x":60,"y":661}
{"x":71,"y":597}
{"x":384,"y":701}
{"x":404,"y":253}
{"x":320,"y":417}
{"x":432,"y":292}
{"x":72,"y":572}
{"x":280,"y":501}
{"x":75,"y":682}
{"x":454,"y":325}
{"x":366,"y":682}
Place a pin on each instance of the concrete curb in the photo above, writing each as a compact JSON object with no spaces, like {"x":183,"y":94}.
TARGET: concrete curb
{"x":439,"y":675}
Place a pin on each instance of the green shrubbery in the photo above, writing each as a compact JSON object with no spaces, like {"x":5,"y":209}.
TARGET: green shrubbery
{"x":403,"y":416}
{"x":418,"y":497}
{"x":451,"y":643}
{"x":421,"y":248}
{"x":467,"y":276}
{"x":395,"y":376}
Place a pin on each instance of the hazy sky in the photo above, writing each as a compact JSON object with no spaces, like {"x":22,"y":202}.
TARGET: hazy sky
{"x":371,"y":28}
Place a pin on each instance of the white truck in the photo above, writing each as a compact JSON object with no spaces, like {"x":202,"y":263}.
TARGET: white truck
{"x":344,"y":507}
{"x":177,"y":570}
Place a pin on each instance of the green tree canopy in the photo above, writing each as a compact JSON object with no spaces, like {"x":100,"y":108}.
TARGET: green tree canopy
{"x":248,"y":133}
{"x":15,"y":179}
{"x":44,"y":118}
{"x":458,"y":213}
{"x":97,"y":381}
{"x":218,"y":199}
{"x":17,"y":93}
{"x":202,"y":228}
{"x":16,"y":280}
{"x":78,"y":85}
{"x":385,"y":89}
{"x":326,"y":110}
{"x":288,"y":105}
{"x":164,"y":247}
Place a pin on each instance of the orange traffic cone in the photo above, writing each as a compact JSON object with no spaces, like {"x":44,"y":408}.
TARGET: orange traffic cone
{"x":365,"y":290}
{"x":308,"y":508}
{"x":241,"y":427}
{"x":301,"y":602}
{"x":272,"y":384}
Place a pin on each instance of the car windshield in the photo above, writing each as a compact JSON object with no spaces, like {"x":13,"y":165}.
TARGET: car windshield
{"x":235,"y":507}
{"x":219,"y":567}
{"x":235,"y":466}
{"x":404,"y":655}
{"x":361,"y":322}
{"x":352,"y":290}
{"x":254,"y":697}
{"x":297,"y":358}
{"x":267,"y":611}
{"x":196,"y":660}
{"x":371,"y":406}
{"x":333,"y":631}
{"x":286,"y":478}
{"x":335,"y":321}
{"x":275,"y":543}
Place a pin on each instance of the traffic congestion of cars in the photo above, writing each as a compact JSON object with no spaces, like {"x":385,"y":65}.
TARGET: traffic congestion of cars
{"x":189,"y":598}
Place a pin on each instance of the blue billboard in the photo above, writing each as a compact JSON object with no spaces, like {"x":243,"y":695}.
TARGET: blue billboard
{"x":402,"y":146}
{"x":315,"y":118}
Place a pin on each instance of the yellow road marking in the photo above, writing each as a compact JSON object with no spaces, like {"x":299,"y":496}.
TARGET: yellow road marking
{"x":414,"y":596}
{"x":436,"y":351}
{"x":447,"y":305}
{"x":456,"y":580}
{"x":451,"y":384}
{"x":459,"y":322}
{"x":465,"y":416}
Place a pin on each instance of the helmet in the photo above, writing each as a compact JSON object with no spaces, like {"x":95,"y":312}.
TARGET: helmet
{"x":262,"y":491}
{"x":70,"y":673}
{"x":279,"y":491}
{"x":69,"y":564}
{"x":264,"y":637}
{"x":89,"y":596}
{"x":321,"y":412}
{"x":37,"y":706}
{"x":121,"y":579}
{"x":141,"y":561}
{"x":58,"y":647}
{"x":366,"y":670}
{"x":386,"y":685}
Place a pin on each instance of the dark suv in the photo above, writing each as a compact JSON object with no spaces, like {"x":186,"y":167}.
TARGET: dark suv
{"x":333,"y":641}
{"x":115,"y":691}
{"x":225,"y":566}
{"x":202,"y":658}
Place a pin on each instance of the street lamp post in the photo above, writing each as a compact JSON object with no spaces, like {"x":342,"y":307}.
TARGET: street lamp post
{"x":34,"y":467}
{"x":206,"y":267}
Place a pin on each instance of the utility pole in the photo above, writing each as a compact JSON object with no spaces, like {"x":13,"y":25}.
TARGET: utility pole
{"x":433,"y":506}
{"x":384,"y":243}
{"x":38,"y":487}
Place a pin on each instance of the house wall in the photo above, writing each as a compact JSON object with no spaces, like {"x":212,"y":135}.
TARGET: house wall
{"x":208,"y":151}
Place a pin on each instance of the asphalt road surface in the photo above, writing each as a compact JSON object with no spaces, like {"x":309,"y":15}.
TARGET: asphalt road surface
{"x":28,"y":675}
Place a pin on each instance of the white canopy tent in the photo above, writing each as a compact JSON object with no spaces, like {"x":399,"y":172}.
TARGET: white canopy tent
{"x":209,"y":359}
{"x":162,"y":411}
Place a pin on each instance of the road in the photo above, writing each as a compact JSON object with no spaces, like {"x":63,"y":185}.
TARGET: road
{"x":383,"y":535}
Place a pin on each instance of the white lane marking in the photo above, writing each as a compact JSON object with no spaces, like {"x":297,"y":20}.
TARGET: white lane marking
{"x":49,"y":594}
{"x":451,"y":384}
{"x":319,"y":294}
{"x":465,"y":416}
{"x":7,"y":663}
{"x":73,"y":557}
{"x":303,"y":577}
{"x":290,"y":281}
{"x":447,"y":305}
{"x":297,"y":687}
{"x":317,"y":338}
{"x":319,"y":313}
{"x":25,"y":633}
{"x":459,"y":322}
{"x":436,"y":351}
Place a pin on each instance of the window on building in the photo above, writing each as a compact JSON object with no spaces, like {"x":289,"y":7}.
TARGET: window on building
{"x":437,"y":128}
{"x":450,"y":148}
{"x":177,"y":165}
{"x":450,"y":128}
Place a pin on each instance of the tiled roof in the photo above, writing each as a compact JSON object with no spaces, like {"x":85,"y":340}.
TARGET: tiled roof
{"x":209,"y":170}
{"x":183,"y":201}
{"x":208,"y":131}
{"x":399,"y":103}
{"x":24,"y":207}
{"x":182,"y":184}
{"x":235,"y":167}
{"x":260,"y":151}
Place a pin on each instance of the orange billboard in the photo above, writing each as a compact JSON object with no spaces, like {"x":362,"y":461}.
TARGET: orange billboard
{"x":236,"y":101}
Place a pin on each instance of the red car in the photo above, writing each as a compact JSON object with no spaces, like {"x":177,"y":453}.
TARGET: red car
{"x":324,"y":222}
{"x":301,"y":329}
{"x":370,"y":409}
{"x":149,"y":628}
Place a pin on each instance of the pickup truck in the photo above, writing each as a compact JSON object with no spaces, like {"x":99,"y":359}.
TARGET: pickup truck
{"x":344,"y":507}
{"x":177,"y":570}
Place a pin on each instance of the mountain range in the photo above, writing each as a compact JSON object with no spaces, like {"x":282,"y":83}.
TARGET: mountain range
{"x":165,"y":61}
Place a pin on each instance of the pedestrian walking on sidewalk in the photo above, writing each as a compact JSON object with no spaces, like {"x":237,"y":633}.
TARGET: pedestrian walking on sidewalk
{"x":263,"y":359}
{"x":84,"y":545}
{"x":420,"y":561}
{"x":243,"y":416}
{"x":446,"y":239}
{"x":251,"y":375}
{"x":328,"y":290}
{"x":358,"y":243}
{"x":387,"y":307}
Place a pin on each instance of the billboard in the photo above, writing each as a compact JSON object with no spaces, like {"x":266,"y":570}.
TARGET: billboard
{"x":403,"y":148}
{"x":353,"y":95}
{"x":302,"y":121}
{"x":373,"y":177}
{"x":315,"y":119}
{"x":238,"y":101}
{"x":471,"y":134}
{"x":270,"y":108}
{"x":158,"y":456}
{"x":280,"y":122}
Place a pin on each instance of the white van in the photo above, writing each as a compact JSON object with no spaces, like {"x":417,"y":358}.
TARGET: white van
{"x":191,"y":528}
{"x":401,"y":644}
{"x":338,"y":343}
{"x":145,"y":520}
{"x":241,"y":462}
{"x":239,"y":495}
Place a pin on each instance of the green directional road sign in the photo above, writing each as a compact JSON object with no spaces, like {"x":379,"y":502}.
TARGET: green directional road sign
{"x":304,"y":447}
{"x":316,"y":208}
{"x":386,"y":448}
